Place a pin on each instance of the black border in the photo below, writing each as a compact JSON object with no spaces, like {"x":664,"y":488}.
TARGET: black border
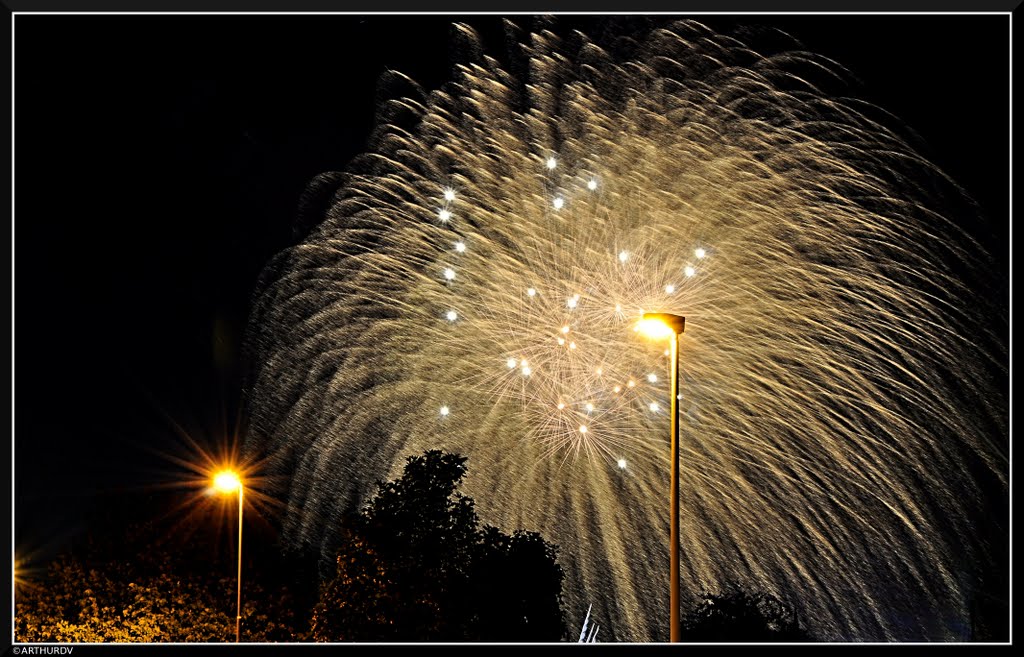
{"x":12,"y":7}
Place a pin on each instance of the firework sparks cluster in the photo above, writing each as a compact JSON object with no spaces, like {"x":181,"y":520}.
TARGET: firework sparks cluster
{"x":475,"y":283}
{"x":562,"y":351}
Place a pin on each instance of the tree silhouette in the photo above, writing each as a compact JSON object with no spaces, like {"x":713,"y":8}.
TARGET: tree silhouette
{"x":415,"y":565}
{"x":141,"y":582}
{"x":737,"y":616}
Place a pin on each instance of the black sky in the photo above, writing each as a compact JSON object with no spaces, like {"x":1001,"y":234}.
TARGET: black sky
{"x":158,"y":165}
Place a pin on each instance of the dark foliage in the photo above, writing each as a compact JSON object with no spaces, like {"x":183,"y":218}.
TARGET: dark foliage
{"x":169,"y":580}
{"x":739,"y":616}
{"x":417,"y":566}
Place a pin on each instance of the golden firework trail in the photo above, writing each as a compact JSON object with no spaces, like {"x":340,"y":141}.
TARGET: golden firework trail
{"x":476,"y":279}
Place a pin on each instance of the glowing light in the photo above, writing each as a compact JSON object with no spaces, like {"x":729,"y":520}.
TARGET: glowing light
{"x":444,"y":215}
{"x":654,"y":328}
{"x":531,"y":292}
{"x":565,"y":329}
{"x":652,"y":377}
{"x":561,"y":341}
{"x":689,"y":271}
{"x":599,"y":371}
{"x":511,"y":362}
{"x":552,"y":163}
{"x":590,"y":408}
{"x":583,"y":428}
{"x":622,"y":464}
{"x":449,"y":274}
{"x":561,"y":406}
{"x":444,"y":411}
{"x":227,"y":481}
{"x":452,"y":315}
{"x":700,"y":253}
{"x":572,"y":302}
{"x":460,"y":247}
{"x":618,"y":308}
{"x":526,"y":370}
{"x":669,"y":289}
{"x":654,"y":407}
{"x":572,"y":345}
{"x":449,"y":194}
{"x":631,"y":384}
{"x":623,"y":256}
{"x":558,"y":203}
{"x":617,"y":388}
{"x":592,"y":184}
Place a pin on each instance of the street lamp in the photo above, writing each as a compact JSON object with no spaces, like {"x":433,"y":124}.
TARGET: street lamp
{"x":659,"y":326}
{"x":228,"y":482}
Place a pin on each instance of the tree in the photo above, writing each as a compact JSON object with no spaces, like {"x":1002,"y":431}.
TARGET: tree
{"x":148,"y":584}
{"x":741,"y":616}
{"x":109,"y":603}
{"x":519,"y":579}
{"x":415,"y":565}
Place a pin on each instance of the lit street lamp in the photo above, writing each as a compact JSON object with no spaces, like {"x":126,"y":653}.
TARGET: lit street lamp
{"x":228,"y":482}
{"x":664,"y":325}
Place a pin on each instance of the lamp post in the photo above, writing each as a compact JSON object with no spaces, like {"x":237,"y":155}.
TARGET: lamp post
{"x":228,"y":482}
{"x":663,"y":325}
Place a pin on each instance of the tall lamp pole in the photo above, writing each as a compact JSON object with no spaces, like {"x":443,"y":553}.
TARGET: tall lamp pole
{"x":228,"y":482}
{"x":663,"y":325}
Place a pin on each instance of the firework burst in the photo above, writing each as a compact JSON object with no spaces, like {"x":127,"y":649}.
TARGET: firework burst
{"x":475,"y":284}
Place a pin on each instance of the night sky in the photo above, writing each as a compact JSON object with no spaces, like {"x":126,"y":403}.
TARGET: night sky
{"x":159,"y":162}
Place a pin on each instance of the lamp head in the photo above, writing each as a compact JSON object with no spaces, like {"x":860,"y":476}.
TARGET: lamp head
{"x":661,"y":325}
{"x":227,"y":481}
